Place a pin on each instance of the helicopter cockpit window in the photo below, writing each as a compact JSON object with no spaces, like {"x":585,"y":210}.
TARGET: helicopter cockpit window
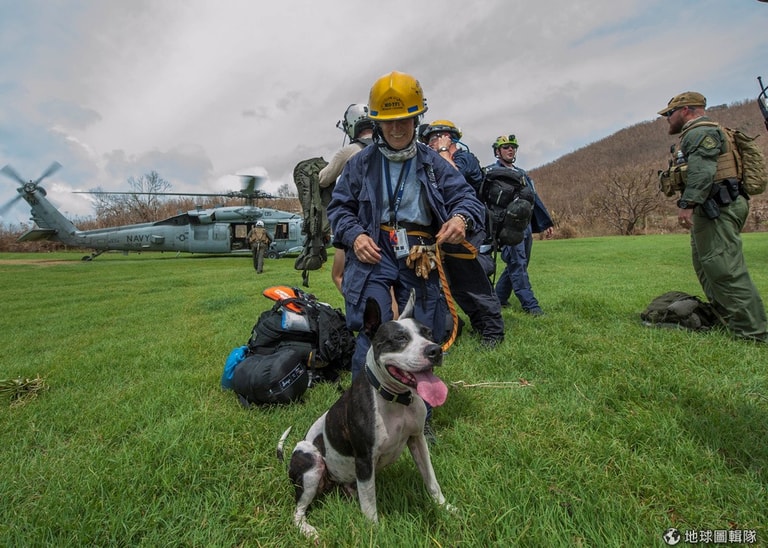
{"x":281,"y":231}
{"x":178,"y":220}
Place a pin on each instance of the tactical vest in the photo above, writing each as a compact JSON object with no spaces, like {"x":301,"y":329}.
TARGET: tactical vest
{"x":729,"y":164}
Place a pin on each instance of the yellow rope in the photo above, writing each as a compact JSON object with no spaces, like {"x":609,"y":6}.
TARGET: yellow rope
{"x":421,"y":261}
{"x":449,"y":299}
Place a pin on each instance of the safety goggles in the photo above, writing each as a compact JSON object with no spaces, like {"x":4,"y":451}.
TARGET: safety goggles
{"x":437,"y":135}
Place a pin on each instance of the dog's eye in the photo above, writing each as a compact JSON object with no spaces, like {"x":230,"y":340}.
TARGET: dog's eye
{"x":401,"y":337}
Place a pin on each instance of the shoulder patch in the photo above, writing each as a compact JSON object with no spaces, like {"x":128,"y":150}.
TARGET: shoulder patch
{"x":709,"y":143}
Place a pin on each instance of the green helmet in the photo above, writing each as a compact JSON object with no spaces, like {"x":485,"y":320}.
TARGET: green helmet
{"x":505,"y":140}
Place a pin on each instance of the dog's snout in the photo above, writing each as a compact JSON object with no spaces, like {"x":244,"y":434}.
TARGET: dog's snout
{"x":433,"y":352}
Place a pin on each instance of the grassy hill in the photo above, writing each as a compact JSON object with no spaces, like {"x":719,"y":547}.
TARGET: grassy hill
{"x":570,"y":184}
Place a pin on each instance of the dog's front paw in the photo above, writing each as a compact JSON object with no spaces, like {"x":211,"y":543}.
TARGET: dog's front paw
{"x":450,"y":508}
{"x":306,"y":529}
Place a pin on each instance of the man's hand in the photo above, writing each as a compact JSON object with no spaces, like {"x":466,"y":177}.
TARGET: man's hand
{"x":440,"y":141}
{"x":452,"y":232}
{"x":366,"y":249}
{"x":685,"y":217}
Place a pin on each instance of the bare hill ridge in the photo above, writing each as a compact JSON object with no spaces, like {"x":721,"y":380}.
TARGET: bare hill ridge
{"x":574,"y":185}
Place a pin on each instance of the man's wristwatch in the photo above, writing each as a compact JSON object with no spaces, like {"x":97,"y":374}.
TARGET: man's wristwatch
{"x":685,"y":204}
{"x":468,"y":223}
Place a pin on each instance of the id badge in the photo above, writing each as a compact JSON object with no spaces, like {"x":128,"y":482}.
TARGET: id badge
{"x":399,"y":240}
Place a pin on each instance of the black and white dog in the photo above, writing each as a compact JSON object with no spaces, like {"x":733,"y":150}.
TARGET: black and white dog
{"x":373,"y":421}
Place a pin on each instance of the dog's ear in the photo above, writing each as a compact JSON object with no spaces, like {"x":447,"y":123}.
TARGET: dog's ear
{"x":408,"y":310}
{"x":371,"y":317}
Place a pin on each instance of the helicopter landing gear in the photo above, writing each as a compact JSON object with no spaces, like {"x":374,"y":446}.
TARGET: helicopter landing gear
{"x":93,"y":255}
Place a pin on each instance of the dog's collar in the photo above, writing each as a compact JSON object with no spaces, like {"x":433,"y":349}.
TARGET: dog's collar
{"x":405,"y":398}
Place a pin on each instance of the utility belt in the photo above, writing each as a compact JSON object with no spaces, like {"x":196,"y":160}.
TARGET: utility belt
{"x":425,"y":231}
{"x":464,"y":250}
{"x":722,"y":194}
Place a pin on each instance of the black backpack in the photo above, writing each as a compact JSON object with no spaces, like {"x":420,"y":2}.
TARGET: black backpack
{"x":681,"y":310}
{"x":293,"y":345}
{"x":306,"y":323}
{"x":509,"y":200}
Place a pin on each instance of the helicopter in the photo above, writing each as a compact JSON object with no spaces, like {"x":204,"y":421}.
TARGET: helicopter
{"x":217,"y":230}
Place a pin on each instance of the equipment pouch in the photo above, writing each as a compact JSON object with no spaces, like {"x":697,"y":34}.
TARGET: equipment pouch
{"x":723,"y":196}
{"x":734,"y":188}
{"x":668,"y":183}
{"x":710,"y":208}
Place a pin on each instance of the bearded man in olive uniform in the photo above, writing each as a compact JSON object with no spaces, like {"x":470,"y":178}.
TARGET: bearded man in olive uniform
{"x":715,"y":206}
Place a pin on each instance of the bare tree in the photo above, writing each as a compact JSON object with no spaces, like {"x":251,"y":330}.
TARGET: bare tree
{"x":286,"y":191}
{"x":142,"y":203}
{"x":758,"y":212}
{"x":626,"y":197}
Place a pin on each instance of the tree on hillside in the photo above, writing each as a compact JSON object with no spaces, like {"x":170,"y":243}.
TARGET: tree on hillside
{"x":626,"y":197}
{"x":286,"y":191}
{"x":140,"y":204}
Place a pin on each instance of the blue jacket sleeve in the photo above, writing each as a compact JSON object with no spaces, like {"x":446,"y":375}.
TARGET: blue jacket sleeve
{"x":540,"y":219}
{"x":354,"y":208}
{"x":469,"y":166}
{"x":449,"y":192}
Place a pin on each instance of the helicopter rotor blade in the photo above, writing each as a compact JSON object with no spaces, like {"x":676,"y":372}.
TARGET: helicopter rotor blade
{"x":10,"y":172}
{"x":53,"y":168}
{"x":8,"y":205}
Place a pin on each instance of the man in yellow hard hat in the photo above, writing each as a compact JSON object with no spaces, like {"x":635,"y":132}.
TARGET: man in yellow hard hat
{"x":394,"y":195}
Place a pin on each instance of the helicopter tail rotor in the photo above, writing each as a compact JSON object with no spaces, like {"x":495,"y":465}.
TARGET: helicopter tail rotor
{"x":11,"y":174}
{"x":28,"y":187}
{"x":53,"y":168}
{"x":8,"y":205}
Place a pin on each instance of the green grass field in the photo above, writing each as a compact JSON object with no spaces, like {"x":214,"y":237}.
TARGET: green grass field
{"x":583,"y":429}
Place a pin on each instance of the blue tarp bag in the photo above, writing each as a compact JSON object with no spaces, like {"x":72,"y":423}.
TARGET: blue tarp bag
{"x":233,"y":360}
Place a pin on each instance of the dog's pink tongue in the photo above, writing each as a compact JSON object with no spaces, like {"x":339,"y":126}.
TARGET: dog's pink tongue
{"x":431,"y":389}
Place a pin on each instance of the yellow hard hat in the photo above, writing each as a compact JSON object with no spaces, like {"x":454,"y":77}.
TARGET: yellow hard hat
{"x":439,"y":126}
{"x":396,"y":96}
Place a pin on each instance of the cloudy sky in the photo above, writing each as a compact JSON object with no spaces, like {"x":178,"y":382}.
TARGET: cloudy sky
{"x":198,"y":90}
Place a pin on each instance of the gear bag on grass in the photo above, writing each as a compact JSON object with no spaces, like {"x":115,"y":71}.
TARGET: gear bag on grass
{"x":277,"y":378}
{"x":679,"y":309}
{"x":314,"y":204}
{"x":293,"y":344}
{"x":303,"y":321}
{"x":509,"y":200}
